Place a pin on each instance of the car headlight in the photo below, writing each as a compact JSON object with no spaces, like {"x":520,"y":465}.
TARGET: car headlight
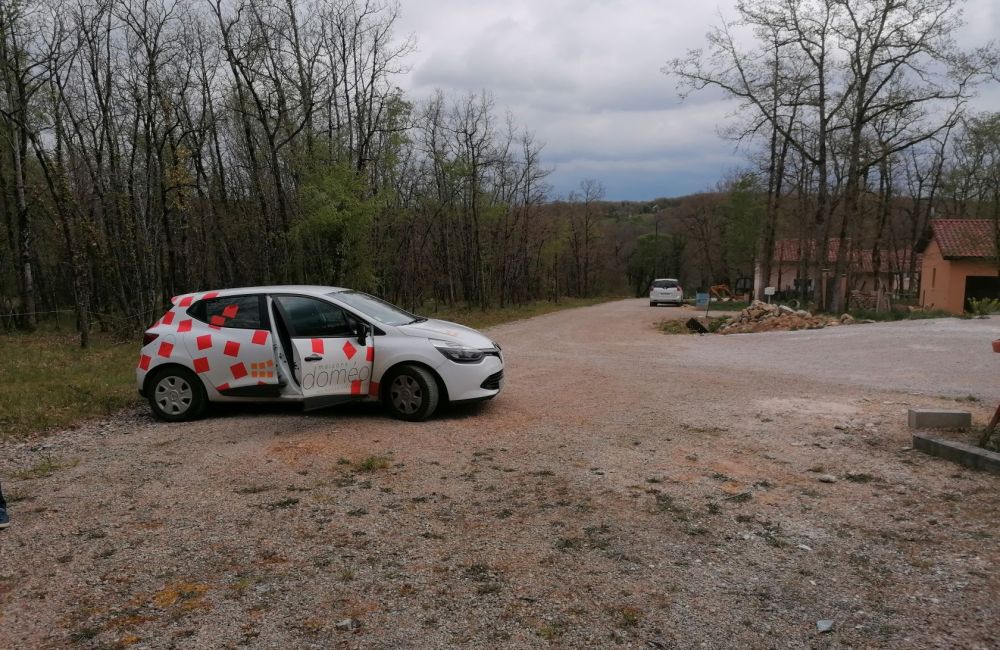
{"x":457,"y":352}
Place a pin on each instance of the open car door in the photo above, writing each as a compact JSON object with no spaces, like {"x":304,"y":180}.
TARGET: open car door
{"x":230,"y":344}
{"x":331,"y":351}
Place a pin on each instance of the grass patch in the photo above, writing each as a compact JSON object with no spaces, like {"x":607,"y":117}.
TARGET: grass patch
{"x":48,"y":382}
{"x":373,"y":464}
{"x":46,"y":467}
{"x":552,"y":630}
{"x":282,"y":504}
{"x":735,"y":305}
{"x":674,"y":327}
{"x":253,"y":489}
{"x":480,"y":319}
{"x":897,"y":313}
{"x":679,"y":326}
{"x":626,"y":617}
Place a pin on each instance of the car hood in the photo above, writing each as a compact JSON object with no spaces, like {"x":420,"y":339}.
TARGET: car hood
{"x":445,"y":331}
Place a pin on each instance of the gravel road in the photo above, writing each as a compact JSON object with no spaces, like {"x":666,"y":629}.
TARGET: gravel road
{"x":627,"y":489}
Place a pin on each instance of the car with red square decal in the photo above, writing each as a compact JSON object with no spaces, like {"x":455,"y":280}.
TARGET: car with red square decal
{"x":316,"y":345}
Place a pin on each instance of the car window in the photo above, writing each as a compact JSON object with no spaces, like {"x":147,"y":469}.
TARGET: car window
{"x":375,"y":308}
{"x":310,"y":317}
{"x":664,"y":284}
{"x":240,"y":312}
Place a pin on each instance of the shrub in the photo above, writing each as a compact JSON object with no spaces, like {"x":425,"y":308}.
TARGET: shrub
{"x":984,"y":306}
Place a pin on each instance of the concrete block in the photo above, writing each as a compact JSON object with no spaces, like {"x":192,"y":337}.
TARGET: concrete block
{"x":958,"y":452}
{"x":935,"y":419}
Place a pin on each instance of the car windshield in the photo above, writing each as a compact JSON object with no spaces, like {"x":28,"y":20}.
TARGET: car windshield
{"x":376,"y":309}
{"x":664,"y":284}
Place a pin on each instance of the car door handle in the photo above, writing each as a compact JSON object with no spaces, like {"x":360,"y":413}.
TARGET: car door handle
{"x":313,"y":357}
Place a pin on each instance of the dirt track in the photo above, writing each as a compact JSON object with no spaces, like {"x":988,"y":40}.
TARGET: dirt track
{"x":627,"y":488}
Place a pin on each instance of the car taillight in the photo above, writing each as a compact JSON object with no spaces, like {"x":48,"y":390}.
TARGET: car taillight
{"x":148,"y":337}
{"x":679,"y":289}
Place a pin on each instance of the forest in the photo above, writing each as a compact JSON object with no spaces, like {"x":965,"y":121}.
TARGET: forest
{"x":154,"y":147}
{"x":857,"y":118}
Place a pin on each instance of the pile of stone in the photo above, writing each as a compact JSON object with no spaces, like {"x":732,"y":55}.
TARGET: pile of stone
{"x":763,"y":317}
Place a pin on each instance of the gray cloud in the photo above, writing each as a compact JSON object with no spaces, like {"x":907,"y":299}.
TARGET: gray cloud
{"x":584,"y":76}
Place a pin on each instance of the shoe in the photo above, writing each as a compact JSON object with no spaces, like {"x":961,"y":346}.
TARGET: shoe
{"x":4,"y":519}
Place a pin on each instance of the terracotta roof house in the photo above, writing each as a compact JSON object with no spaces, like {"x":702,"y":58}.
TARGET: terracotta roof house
{"x":959,"y":263}
{"x":790,"y":254}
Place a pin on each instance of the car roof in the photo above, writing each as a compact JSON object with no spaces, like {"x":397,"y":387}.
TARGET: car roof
{"x":665,"y":279}
{"x":305,"y":289}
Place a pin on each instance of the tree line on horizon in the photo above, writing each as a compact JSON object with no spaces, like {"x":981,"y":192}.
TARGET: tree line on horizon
{"x":154,"y":147}
{"x":856,"y":117}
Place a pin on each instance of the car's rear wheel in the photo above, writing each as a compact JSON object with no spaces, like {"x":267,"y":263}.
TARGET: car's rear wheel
{"x":176,"y":394}
{"x":412,"y":394}
{"x":652,"y":304}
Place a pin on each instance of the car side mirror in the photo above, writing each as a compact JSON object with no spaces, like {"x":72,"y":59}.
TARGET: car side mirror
{"x":361,"y":331}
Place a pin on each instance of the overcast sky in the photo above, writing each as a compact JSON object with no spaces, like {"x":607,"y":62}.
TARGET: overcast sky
{"x":584,"y":76}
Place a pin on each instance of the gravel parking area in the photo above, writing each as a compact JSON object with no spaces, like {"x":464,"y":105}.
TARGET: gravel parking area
{"x":627,"y":489}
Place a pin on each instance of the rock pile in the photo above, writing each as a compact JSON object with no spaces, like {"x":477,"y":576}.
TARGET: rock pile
{"x":762,"y":317}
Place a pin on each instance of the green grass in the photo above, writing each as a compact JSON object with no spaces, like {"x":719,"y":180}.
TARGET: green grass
{"x":679,"y":326}
{"x":735,"y":305}
{"x":373,"y":464}
{"x":899,"y":313}
{"x":44,"y":468}
{"x":47,"y":381}
{"x":477,"y":318}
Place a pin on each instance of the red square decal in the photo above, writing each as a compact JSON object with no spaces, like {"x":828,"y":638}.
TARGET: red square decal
{"x":210,"y":295}
{"x":259,"y":337}
{"x":185,"y":301}
{"x":184,"y":326}
{"x":239,"y":371}
{"x":168,"y":318}
{"x":230,"y":311}
{"x":218,"y":321}
{"x":222,"y":387}
{"x":165,"y":349}
{"x":232,"y":349}
{"x":204,"y":341}
{"x":349,"y":350}
{"x":355,"y":387}
{"x":317,"y":346}
{"x":144,"y":361}
{"x":370,"y":354}
{"x":201,"y":364}
{"x":373,"y":388}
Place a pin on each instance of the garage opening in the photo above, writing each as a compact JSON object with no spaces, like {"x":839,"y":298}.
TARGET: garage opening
{"x":981,"y":286}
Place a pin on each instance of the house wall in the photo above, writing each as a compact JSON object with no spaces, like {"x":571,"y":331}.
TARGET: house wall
{"x":787,"y":272}
{"x":942,"y":282}
{"x":859,"y":280}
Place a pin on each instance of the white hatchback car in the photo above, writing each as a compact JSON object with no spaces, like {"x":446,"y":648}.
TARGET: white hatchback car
{"x":665,"y":291}
{"x":316,"y":345}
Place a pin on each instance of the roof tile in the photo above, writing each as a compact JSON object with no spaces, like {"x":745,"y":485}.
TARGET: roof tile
{"x":965,"y":237}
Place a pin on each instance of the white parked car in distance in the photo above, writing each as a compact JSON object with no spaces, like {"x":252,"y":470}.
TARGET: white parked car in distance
{"x":665,"y":291}
{"x":316,"y":345}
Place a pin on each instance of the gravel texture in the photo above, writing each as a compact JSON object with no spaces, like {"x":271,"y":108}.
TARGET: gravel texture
{"x":627,"y":489}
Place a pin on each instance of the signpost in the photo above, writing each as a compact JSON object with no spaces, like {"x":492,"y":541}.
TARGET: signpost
{"x":769,"y":291}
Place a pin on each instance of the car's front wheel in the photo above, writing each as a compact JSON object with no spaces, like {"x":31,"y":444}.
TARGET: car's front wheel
{"x":412,"y":394}
{"x":176,"y":394}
